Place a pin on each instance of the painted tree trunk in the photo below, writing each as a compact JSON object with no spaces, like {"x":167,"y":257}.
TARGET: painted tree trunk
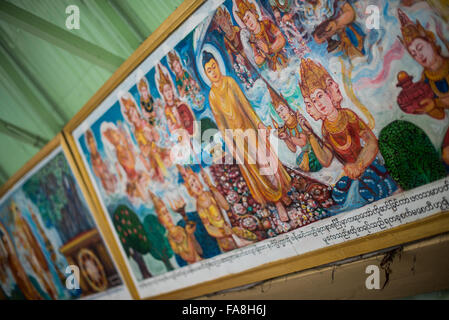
{"x":142,"y":266}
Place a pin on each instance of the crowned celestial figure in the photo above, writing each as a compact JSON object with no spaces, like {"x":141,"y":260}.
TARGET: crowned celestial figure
{"x":431,"y":94}
{"x":292,"y":134}
{"x":422,"y":46}
{"x":187,"y":86}
{"x":155,"y":157}
{"x":146,"y":101}
{"x":345,"y":136}
{"x":182,"y":240}
{"x":136,"y":179}
{"x":264,"y":174}
{"x":266,"y":40}
{"x":99,"y":167}
{"x":234,"y":46}
{"x":209,"y":208}
{"x":178,"y":114}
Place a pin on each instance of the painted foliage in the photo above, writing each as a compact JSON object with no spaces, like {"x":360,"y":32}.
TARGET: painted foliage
{"x":266,"y":116}
{"x":46,"y":226}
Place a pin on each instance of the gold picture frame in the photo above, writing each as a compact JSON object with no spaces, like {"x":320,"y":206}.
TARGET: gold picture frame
{"x":92,"y":243}
{"x":434,"y":224}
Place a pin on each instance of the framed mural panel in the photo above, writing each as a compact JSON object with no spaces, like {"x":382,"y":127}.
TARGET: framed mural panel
{"x":246,"y":139}
{"x":51,"y":246}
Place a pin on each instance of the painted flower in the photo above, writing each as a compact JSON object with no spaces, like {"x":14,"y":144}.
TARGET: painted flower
{"x":249,"y":223}
{"x":312,"y":203}
{"x":239,"y":209}
{"x":232,"y":197}
{"x":264,"y":213}
{"x":266,"y":223}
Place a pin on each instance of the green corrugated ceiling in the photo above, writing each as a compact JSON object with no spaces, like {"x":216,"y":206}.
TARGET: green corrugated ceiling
{"x":47,"y":72}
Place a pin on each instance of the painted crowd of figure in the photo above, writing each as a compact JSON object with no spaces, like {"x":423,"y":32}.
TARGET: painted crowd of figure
{"x":238,"y":202}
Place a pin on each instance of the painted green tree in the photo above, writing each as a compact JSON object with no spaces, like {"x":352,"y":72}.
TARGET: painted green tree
{"x":160,"y":248}
{"x":410,"y":157}
{"x":133,"y":236}
{"x":53,"y":190}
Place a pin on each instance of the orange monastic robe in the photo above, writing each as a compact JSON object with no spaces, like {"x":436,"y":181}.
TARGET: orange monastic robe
{"x":233,"y":111}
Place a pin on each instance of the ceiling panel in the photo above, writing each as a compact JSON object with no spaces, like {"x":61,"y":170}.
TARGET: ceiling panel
{"x":43,"y":85}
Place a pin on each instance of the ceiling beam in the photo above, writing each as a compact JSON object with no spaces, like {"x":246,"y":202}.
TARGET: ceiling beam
{"x":119,"y":24}
{"x":133,"y":20}
{"x":3,"y":175}
{"x":19,"y":61}
{"x":22,"y":134}
{"x":59,"y":37}
{"x":34,"y":104}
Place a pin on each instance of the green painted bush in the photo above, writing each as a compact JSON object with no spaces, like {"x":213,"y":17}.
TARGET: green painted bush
{"x":410,"y":156}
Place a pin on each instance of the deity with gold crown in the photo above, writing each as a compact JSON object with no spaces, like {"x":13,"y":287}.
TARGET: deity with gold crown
{"x":99,"y":167}
{"x":422,"y":45}
{"x":182,"y":240}
{"x":267,"y":40}
{"x":234,"y":45}
{"x":185,"y":83}
{"x":292,"y":134}
{"x":209,"y":208}
{"x":120,"y":141}
{"x":345,"y":137}
{"x":178,"y":114}
{"x":155,"y":157}
{"x":146,"y":101}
